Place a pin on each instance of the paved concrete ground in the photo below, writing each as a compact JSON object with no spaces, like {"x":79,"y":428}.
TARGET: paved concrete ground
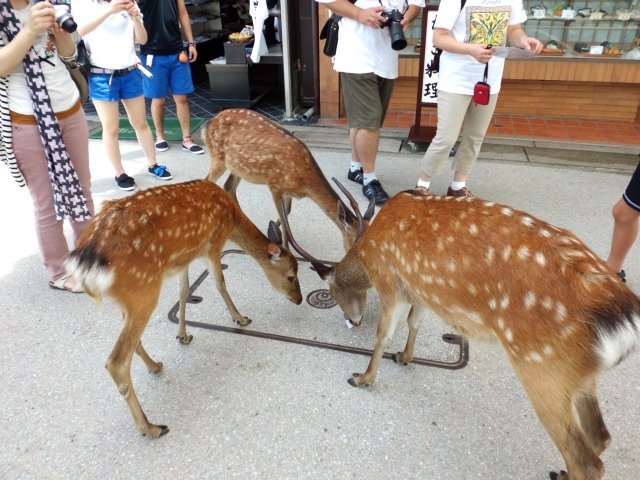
{"x":244,"y":407}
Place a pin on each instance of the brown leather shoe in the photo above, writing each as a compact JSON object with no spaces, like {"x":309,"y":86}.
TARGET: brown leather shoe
{"x":463,"y":192}
{"x":422,"y":190}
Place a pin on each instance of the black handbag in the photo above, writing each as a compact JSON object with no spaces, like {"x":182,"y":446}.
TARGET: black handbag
{"x":330,"y":33}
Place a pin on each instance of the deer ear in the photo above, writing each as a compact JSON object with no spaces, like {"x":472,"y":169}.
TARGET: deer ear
{"x":322,"y":270}
{"x":274,"y":252}
{"x":274,"y":234}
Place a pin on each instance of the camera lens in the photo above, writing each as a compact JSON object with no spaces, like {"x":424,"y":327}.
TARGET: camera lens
{"x":67,"y":23}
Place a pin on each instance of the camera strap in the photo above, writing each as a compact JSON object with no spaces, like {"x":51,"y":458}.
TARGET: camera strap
{"x":486,"y":72}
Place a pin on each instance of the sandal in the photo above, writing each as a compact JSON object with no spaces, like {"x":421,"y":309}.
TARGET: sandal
{"x":193,"y":148}
{"x":61,"y":284}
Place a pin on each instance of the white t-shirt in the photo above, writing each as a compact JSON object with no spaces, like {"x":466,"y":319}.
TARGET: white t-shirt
{"x":112,"y":43}
{"x":364,"y":49}
{"x":61,"y":94}
{"x":482,"y":22}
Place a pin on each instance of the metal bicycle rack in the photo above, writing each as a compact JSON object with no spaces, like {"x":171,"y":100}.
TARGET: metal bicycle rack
{"x":318,"y":299}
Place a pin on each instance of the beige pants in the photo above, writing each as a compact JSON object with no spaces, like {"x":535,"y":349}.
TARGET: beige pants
{"x":453,"y":110}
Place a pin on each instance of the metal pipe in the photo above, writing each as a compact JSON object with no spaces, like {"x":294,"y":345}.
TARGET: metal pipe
{"x":308,"y":114}
{"x":286,"y":59}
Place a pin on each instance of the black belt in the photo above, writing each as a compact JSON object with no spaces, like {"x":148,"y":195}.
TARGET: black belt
{"x":116,"y":73}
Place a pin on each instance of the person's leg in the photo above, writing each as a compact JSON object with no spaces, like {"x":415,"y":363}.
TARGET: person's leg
{"x":181,"y":85}
{"x":32,"y":162}
{"x":625,"y":232}
{"x":452,"y":108}
{"x":477,"y":120}
{"x":184,"y":117}
{"x":109,"y":116}
{"x":136,"y":112}
{"x":157,"y":113}
{"x":75,"y":133}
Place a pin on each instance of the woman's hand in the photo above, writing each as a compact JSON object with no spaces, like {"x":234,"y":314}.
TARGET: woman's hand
{"x":41,"y":18}
{"x":531,"y":44}
{"x":117,"y":6}
{"x":480,"y":52}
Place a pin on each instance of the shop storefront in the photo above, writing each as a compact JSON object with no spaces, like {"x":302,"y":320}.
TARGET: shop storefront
{"x":590,"y":67}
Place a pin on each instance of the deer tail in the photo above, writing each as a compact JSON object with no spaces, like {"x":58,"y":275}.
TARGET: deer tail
{"x":91,"y":269}
{"x":618,"y":333}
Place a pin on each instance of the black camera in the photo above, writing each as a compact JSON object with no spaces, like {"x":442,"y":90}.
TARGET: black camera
{"x":393,"y":19}
{"x":64,"y":18}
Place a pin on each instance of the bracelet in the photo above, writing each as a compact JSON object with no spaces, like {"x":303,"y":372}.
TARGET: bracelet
{"x":191,"y":44}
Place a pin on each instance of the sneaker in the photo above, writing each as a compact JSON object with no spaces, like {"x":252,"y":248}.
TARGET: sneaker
{"x":195,"y":149}
{"x":160,"y":171}
{"x":623,"y":276}
{"x":463,"y":192}
{"x":374,"y":190}
{"x":355,"y":176}
{"x":162,"y":146}
{"x":125,"y":182}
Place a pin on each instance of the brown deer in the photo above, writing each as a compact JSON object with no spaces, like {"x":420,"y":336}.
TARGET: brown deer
{"x":490,"y":270}
{"x":253,"y":148}
{"x":135,"y":242}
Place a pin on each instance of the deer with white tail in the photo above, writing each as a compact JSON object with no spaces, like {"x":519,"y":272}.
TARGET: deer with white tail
{"x":489,"y":270}
{"x":253,"y":148}
{"x":134,"y":243}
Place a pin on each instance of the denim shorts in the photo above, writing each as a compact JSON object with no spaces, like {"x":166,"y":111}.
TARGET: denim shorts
{"x":170,"y":75}
{"x":632,"y":194}
{"x":111,"y":88}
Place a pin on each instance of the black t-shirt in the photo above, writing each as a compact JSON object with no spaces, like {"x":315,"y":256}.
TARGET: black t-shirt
{"x":163,"y":27}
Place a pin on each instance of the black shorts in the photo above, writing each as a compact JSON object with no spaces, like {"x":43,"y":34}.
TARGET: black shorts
{"x":631,"y":195}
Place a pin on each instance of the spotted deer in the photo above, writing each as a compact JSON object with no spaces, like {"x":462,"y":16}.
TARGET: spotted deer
{"x":490,"y":270}
{"x":137,"y":241}
{"x":253,"y":148}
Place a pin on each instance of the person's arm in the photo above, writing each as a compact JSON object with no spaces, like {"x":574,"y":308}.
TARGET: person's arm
{"x":112,"y":7}
{"x":517,"y":37}
{"x":65,"y":44}
{"x":409,"y":16}
{"x":443,"y":39}
{"x":139,"y":32}
{"x":367,"y":16}
{"x":185,"y":23}
{"x":41,"y":18}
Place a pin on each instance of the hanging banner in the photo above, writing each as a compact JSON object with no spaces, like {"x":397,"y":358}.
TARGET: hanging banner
{"x":429,"y":78}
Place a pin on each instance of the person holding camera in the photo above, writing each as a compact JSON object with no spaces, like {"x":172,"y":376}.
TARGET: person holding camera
{"x":110,"y":29}
{"x":466,"y":33}
{"x":44,"y":137}
{"x":368,"y":65}
{"x":166,"y":22}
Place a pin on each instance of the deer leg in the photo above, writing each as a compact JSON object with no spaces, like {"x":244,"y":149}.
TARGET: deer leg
{"x":414,"y":319}
{"x":591,"y":419}
{"x":119,"y":362}
{"x":386,"y":326}
{"x":231,"y":185}
{"x":216,"y":269}
{"x":152,"y":366}
{"x":553,"y":403}
{"x":217,"y":168}
{"x":183,"y":286}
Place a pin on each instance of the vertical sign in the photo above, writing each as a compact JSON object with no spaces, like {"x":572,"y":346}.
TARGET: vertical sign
{"x":429,"y":78}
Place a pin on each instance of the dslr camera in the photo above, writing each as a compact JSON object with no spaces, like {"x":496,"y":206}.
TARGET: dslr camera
{"x":393,"y":18}
{"x":64,"y":18}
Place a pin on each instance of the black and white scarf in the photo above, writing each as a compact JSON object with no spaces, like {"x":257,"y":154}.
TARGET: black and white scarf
{"x":69,"y":199}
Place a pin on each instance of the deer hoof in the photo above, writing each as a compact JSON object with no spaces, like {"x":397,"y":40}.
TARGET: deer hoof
{"x":185,"y":340}
{"x":396,"y":358}
{"x":156,"y":431}
{"x":559,"y":476}
{"x":156,"y":368}
{"x":356,"y":381}
{"x":245,"y":322}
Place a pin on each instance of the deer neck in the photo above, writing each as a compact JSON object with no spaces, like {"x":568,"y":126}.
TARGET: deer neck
{"x":350,"y":272}
{"x":248,"y":236}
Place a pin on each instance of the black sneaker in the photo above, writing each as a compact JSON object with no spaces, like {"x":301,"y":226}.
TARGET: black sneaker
{"x":125,"y":182}
{"x":374,"y":190}
{"x":355,"y":176}
{"x":162,"y":146}
{"x":623,"y":276}
{"x":160,"y":171}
